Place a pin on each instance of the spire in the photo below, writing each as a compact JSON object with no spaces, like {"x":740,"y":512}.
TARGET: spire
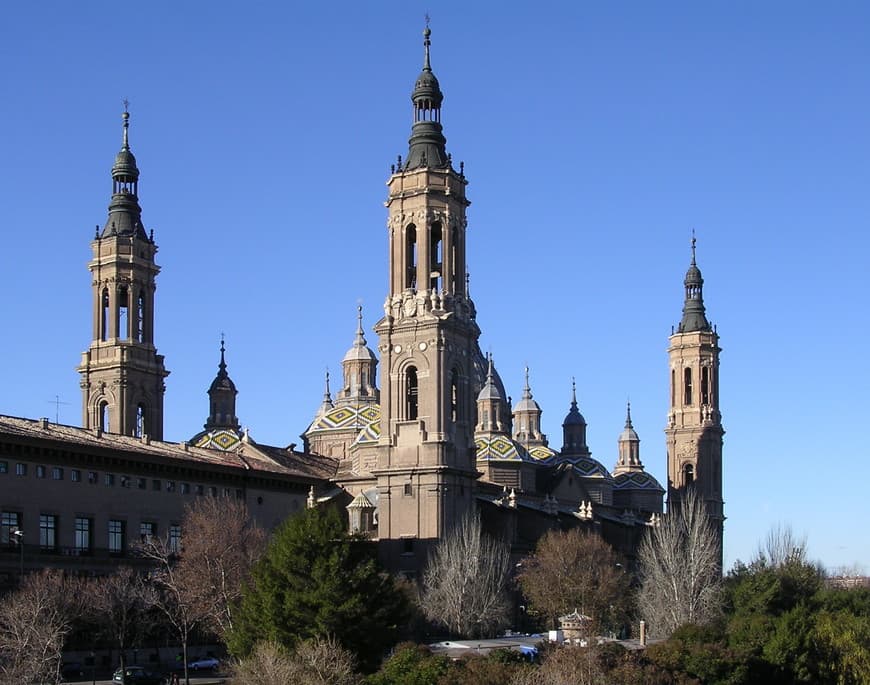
{"x":489,"y":403}
{"x":222,"y":397}
{"x":629,"y":447}
{"x":427,"y":145}
{"x":327,"y":404}
{"x":360,"y":370}
{"x":628,"y":415}
{"x":125,"y":214}
{"x":527,"y":418}
{"x":694,"y":317}
{"x":574,"y":429}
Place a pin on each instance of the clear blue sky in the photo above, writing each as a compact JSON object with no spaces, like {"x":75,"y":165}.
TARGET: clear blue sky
{"x":595,"y":137}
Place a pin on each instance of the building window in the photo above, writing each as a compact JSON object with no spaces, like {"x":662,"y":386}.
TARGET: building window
{"x":123,"y":313}
{"x":47,"y":532}
{"x":147,"y":531}
{"x":40,"y":472}
{"x":142,"y":483}
{"x":170,"y":486}
{"x":93,"y":477}
{"x":436,"y":258}
{"x":109,"y":479}
{"x":200,"y":489}
{"x":125,"y":481}
{"x":705,"y":385}
{"x":4,"y":467}
{"x":411,"y":257}
{"x":155,"y":485}
{"x":140,"y":318}
{"x":454,"y":395}
{"x":240,"y":494}
{"x":185,"y":488}
{"x":687,"y":383}
{"x":116,"y":536}
{"x":57,"y":473}
{"x":104,"y":315}
{"x":226,"y":492}
{"x":75,"y":475}
{"x":212,"y":490}
{"x":408,"y":490}
{"x":407,"y":545}
{"x":688,"y":474}
{"x":673,"y":388}
{"x":411,"y":394}
{"x":175,"y":538}
{"x":10,"y":521}
{"x":83,"y":535}
{"x":141,"y":428}
{"x":20,"y":469}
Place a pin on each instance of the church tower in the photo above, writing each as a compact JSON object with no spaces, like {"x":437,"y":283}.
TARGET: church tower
{"x":121,"y":373}
{"x":694,"y":432}
{"x":428,"y":344}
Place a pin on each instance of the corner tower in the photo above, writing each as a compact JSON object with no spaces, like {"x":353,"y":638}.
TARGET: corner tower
{"x":121,"y":373}
{"x":694,"y":432}
{"x":427,"y":342}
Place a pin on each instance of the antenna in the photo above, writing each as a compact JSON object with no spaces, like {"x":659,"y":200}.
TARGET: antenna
{"x":56,"y":402}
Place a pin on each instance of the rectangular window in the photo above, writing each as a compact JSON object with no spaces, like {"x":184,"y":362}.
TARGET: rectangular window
{"x":125,"y":481}
{"x":57,"y":473}
{"x":142,"y":483}
{"x":240,"y":494}
{"x":408,"y":546}
{"x":10,"y":521}
{"x":170,"y":486}
{"x":175,"y":538}
{"x":155,"y":485}
{"x":75,"y":475}
{"x":185,"y":488}
{"x":212,"y":490}
{"x":40,"y":472}
{"x":47,"y":532}
{"x":116,"y":536}
{"x":93,"y":477}
{"x":4,"y":467}
{"x":408,"y":490}
{"x":200,"y":489}
{"x":109,"y":479}
{"x":83,"y":535}
{"x":20,"y":469}
{"x":226,"y":492}
{"x":147,"y":530}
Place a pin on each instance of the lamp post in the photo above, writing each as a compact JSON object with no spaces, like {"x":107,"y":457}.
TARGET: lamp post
{"x":19,"y":538}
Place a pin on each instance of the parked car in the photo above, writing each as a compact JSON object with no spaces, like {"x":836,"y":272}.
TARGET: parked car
{"x":206,"y":663}
{"x":137,"y":675}
{"x":72,"y":670}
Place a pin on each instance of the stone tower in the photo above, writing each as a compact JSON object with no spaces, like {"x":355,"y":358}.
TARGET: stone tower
{"x":428,"y":344}
{"x":122,"y":376}
{"x":694,"y":432}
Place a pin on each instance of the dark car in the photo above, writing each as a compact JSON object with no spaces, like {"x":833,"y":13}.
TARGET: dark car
{"x":137,"y":675}
{"x":72,"y":670}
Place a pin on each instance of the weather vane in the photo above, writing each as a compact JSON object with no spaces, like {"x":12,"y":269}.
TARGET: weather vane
{"x":126,"y":104}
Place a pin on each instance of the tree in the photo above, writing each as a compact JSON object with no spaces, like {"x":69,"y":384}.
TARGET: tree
{"x":575,"y":569}
{"x":219,"y":546}
{"x":320,"y":661}
{"x":34,"y":623}
{"x":464,"y":585}
{"x":678,"y":569}
{"x":119,"y":605}
{"x":315,"y":580}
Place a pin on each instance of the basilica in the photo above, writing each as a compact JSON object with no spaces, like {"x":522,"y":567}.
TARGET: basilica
{"x":417,"y":433}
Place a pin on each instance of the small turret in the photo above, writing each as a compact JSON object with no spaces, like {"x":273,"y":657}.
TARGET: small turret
{"x":427,"y":145}
{"x":527,"y":419}
{"x":360,"y":371}
{"x":574,"y":429}
{"x":222,"y":398}
{"x":125,"y":214}
{"x":694,"y":316}
{"x":629,"y":447}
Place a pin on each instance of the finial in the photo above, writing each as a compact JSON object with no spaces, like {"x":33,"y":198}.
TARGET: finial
{"x":628,"y":414}
{"x":326,"y":394}
{"x":360,"y":336}
{"x":223,"y":364}
{"x":426,"y":33}
{"x":527,"y":391}
{"x":126,"y":117}
{"x":467,"y":284}
{"x":573,"y":391}
{"x":693,"y":247}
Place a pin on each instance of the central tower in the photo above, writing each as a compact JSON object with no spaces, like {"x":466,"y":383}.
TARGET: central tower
{"x":428,"y":344}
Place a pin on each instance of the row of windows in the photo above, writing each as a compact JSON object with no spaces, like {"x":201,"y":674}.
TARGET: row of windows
{"x":93,"y":477}
{"x":688,"y":394}
{"x":116,"y":533}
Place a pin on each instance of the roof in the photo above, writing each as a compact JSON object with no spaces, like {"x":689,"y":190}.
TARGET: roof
{"x":636,"y":480}
{"x":500,"y":448}
{"x":264,"y":459}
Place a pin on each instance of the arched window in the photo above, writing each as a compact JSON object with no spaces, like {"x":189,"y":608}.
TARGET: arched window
{"x":140,"y":317}
{"x":454,"y":395}
{"x":705,"y":385}
{"x":687,"y":386}
{"x":104,"y":315}
{"x":436,"y":257}
{"x":104,"y":416}
{"x":123,"y":313}
{"x":673,"y":388}
{"x":411,"y":256}
{"x":141,"y":427}
{"x":688,"y":474}
{"x":411,"y":394}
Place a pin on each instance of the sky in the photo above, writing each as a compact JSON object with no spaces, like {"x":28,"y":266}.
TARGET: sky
{"x":595,"y":136}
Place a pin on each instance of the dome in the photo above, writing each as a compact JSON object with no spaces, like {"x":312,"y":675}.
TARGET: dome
{"x":587,"y":467}
{"x":629,"y":435}
{"x":541,"y":454}
{"x":574,"y":418}
{"x":500,"y":448}
{"x":125,"y":164}
{"x":636,"y":480}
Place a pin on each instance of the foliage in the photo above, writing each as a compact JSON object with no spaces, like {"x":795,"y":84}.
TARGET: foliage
{"x":576,"y":569}
{"x":34,"y":623}
{"x":320,"y":661}
{"x":465,"y":583}
{"x":314,"y":580}
{"x":565,"y":666}
{"x":410,"y":664}
{"x":679,"y":573}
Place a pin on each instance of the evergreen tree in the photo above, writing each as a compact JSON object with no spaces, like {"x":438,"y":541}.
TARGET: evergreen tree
{"x":315,"y":580}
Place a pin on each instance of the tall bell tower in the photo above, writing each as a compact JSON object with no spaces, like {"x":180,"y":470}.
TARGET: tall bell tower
{"x":428,"y":341}
{"x":121,"y":373}
{"x":694,"y":432}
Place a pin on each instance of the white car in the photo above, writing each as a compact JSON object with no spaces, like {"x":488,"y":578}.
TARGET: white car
{"x":206,"y":663}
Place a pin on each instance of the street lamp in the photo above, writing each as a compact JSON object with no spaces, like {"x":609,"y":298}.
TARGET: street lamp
{"x":19,"y":540}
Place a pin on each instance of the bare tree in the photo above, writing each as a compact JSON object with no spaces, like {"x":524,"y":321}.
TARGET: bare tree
{"x":565,"y":666}
{"x":780,"y":547}
{"x":320,"y":661}
{"x":34,"y":623}
{"x":220,"y":544}
{"x":575,"y":569}
{"x":120,"y":603}
{"x":464,"y":586}
{"x":680,"y":579}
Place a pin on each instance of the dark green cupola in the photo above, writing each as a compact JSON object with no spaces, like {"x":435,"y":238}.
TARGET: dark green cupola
{"x":694,"y":317}
{"x":125,"y":214}
{"x":427,"y":142}
{"x":222,"y":399}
